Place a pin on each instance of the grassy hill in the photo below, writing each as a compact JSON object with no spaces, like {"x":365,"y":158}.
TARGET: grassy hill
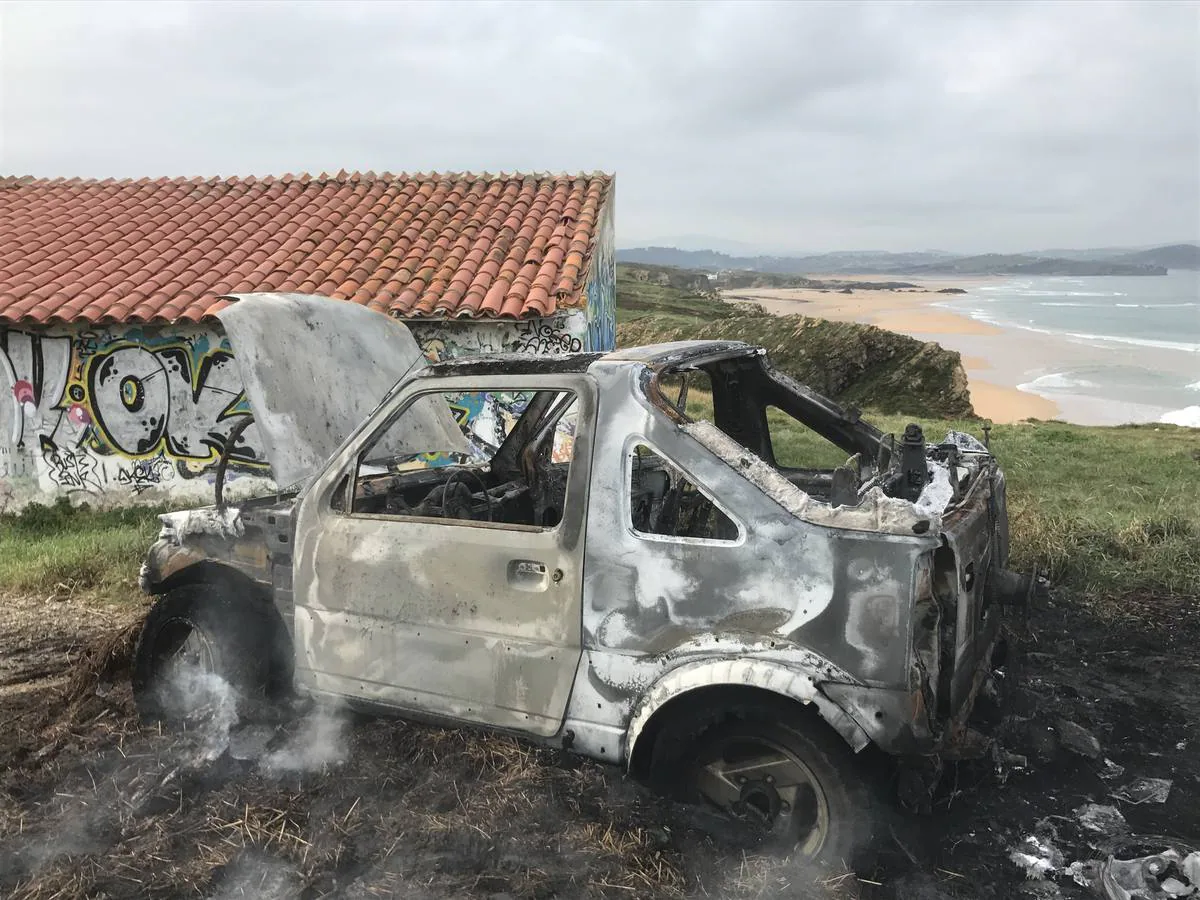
{"x":857,"y":364}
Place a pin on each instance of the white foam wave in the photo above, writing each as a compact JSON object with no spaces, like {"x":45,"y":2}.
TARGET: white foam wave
{"x":1136,"y":342}
{"x":1117,"y":305}
{"x":1194,"y":386}
{"x":1055,"y":381}
{"x":1189,"y":417}
{"x":1024,"y":292}
{"x":1081,"y":337}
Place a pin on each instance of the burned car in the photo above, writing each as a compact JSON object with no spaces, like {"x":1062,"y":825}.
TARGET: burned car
{"x":555,"y":548}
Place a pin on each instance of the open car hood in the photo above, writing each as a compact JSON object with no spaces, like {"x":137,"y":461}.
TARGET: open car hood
{"x":315,"y":368}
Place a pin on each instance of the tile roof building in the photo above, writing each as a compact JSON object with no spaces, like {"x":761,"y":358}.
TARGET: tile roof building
{"x":115,"y":378}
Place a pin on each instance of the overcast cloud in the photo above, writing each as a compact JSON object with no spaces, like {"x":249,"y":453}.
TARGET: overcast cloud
{"x":799,"y":126}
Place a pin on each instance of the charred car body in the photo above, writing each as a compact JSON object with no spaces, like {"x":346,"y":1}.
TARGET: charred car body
{"x":553,"y":547}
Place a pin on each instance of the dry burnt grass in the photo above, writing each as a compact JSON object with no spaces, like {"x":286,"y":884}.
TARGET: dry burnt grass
{"x":92,"y":805}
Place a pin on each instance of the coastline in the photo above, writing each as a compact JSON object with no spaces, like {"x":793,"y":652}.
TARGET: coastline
{"x":994,"y":391}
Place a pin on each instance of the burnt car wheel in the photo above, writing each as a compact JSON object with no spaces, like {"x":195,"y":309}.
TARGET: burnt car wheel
{"x":790,"y":785}
{"x":203,"y":650}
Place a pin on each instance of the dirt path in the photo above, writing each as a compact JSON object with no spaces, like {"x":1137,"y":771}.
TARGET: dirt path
{"x":91,"y":804}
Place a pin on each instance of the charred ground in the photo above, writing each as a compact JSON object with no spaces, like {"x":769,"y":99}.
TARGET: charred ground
{"x":93,"y":805}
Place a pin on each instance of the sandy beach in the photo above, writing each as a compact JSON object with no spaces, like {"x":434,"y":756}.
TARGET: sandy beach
{"x":915,"y":312}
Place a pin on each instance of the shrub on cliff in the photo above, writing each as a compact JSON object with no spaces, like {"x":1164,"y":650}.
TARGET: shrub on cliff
{"x":855,"y":364}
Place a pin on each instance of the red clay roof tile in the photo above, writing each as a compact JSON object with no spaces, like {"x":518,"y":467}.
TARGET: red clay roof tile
{"x":166,"y":250}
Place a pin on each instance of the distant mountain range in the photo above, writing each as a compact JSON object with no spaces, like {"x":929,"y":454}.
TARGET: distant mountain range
{"x":1115,"y":261}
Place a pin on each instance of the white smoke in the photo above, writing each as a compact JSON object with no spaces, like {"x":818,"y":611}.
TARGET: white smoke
{"x":203,"y":700}
{"x":257,"y":877}
{"x":209,"y":707}
{"x":319,"y":741}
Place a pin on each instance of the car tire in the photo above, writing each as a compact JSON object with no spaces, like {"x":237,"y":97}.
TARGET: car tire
{"x":203,"y":646}
{"x":828,"y":819}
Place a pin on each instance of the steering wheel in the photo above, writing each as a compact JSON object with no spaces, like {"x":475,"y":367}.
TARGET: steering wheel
{"x":453,"y":479}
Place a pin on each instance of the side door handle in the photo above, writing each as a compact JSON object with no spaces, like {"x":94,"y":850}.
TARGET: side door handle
{"x":531,"y":575}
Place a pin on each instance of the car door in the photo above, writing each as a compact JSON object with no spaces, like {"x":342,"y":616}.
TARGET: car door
{"x":433,"y":610}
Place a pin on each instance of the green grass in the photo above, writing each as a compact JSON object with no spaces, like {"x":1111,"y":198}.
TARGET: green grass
{"x":60,"y":551}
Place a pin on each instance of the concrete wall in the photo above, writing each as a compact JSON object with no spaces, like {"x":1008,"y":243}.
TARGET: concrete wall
{"x":449,"y":338}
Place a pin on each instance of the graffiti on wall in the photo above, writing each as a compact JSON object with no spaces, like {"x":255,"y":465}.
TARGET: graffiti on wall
{"x":124,"y":411}
{"x":563,"y":333}
{"x":178,"y":398}
{"x":602,"y":287}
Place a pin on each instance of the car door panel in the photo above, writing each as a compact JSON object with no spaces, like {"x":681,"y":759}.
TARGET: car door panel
{"x":470,"y":620}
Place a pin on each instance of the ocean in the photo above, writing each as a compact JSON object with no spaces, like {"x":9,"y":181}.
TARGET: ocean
{"x":1107,"y":350}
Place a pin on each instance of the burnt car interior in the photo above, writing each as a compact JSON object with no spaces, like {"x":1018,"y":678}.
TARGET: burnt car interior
{"x":516,"y":477}
{"x":663,"y":501}
{"x":745,"y":386}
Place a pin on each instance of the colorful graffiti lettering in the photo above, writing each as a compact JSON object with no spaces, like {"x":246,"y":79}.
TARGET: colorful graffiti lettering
{"x":33,"y":374}
{"x":123,"y":411}
{"x":177,"y":399}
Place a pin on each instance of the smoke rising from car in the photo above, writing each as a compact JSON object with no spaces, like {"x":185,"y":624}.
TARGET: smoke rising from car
{"x":211,"y":709}
{"x":319,"y":741}
{"x":205,"y":700}
{"x":259,"y":877}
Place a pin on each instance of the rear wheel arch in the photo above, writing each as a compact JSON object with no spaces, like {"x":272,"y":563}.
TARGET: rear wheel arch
{"x":703,"y":693}
{"x":701,"y":736}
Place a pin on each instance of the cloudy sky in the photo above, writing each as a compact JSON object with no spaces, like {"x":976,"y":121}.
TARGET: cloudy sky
{"x":798,"y":126}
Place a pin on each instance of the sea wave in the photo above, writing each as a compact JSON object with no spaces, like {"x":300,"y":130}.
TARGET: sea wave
{"x":987,"y":318}
{"x":1117,"y":305}
{"x":1189,"y":417}
{"x":1055,"y":381}
{"x":1021,"y":293}
{"x":1136,"y":342}
{"x":1194,"y":386}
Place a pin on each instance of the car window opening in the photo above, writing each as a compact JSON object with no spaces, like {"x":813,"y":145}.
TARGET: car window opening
{"x":509,"y":468}
{"x":822,"y":449}
{"x":663,"y":501}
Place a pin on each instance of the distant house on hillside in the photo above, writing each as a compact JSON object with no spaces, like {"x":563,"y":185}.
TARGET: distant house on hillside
{"x":115,"y":379}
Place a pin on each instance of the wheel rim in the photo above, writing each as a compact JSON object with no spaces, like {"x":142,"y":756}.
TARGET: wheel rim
{"x":757,"y":781}
{"x":185,"y":648}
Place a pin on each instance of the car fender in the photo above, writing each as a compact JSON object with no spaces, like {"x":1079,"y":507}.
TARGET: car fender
{"x":799,"y":683}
